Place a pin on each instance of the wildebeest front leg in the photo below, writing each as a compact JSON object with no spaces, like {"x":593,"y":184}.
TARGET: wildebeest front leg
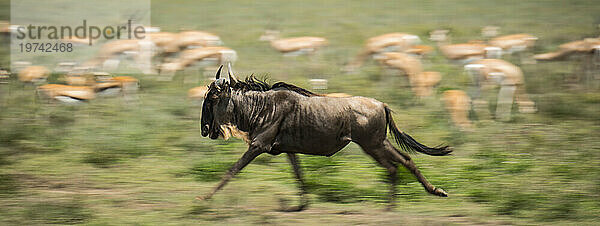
{"x":260,"y":144}
{"x":250,"y":155}
{"x":298,"y":173}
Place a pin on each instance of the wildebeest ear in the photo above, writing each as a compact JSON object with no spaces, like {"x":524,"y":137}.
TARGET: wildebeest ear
{"x":219,"y":72}
{"x":232,"y":79}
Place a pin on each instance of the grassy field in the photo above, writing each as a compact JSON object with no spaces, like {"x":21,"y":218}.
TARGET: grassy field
{"x":114,"y":162}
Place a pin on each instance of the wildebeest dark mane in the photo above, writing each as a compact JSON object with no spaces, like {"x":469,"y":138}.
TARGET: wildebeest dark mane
{"x":251,"y":83}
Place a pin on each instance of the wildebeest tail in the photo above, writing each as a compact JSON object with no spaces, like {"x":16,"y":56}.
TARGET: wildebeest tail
{"x":409,"y":144}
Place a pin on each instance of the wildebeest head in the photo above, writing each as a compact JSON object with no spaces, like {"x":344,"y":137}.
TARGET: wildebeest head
{"x":217,"y":109}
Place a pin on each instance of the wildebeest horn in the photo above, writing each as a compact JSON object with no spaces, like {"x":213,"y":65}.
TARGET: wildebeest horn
{"x":232,"y":78}
{"x":219,"y":72}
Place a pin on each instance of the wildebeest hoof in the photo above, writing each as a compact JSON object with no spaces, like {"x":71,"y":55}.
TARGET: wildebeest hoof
{"x":440,"y":192}
{"x":292,"y":208}
{"x":283,"y":207}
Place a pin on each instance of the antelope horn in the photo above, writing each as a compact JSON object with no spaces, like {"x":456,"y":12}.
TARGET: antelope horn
{"x":219,"y":72}
{"x":232,"y":78}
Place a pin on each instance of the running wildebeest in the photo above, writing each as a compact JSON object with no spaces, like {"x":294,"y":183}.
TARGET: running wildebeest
{"x":283,"y":118}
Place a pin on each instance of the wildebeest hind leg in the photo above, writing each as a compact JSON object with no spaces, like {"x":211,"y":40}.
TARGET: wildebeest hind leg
{"x":250,"y":155}
{"x":379,"y":154}
{"x":405,"y":160}
{"x":298,"y":173}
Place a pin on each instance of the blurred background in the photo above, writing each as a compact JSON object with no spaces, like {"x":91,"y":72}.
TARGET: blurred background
{"x":137,"y":157}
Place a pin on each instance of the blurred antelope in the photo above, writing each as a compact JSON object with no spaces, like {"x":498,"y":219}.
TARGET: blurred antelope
{"x":108,"y":58}
{"x":34,"y":74}
{"x":458,"y":105}
{"x":463,"y":52}
{"x":294,"y":46}
{"x":583,"y":47}
{"x":96,"y":78}
{"x":141,"y":50}
{"x":165,"y":42}
{"x":65,"y":93}
{"x":212,"y":55}
{"x":587,"y":51}
{"x":70,"y":94}
{"x":171,"y":43}
{"x":514,"y":43}
{"x":109,"y":86}
{"x":487,"y":72}
{"x":391,"y":42}
{"x":421,"y":81}
{"x":510,"y":44}
{"x":195,"y":39}
{"x":419,"y":50}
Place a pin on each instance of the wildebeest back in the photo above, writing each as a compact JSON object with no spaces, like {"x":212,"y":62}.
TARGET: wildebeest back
{"x":314,"y":122}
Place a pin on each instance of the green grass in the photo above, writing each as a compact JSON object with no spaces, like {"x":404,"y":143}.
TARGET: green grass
{"x":113,"y":162}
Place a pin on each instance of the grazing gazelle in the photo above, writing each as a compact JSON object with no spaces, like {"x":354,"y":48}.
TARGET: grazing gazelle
{"x":421,"y":81}
{"x":511,"y":81}
{"x":397,"y":42}
{"x":294,"y":46}
{"x":458,"y":104}
{"x":283,"y":118}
